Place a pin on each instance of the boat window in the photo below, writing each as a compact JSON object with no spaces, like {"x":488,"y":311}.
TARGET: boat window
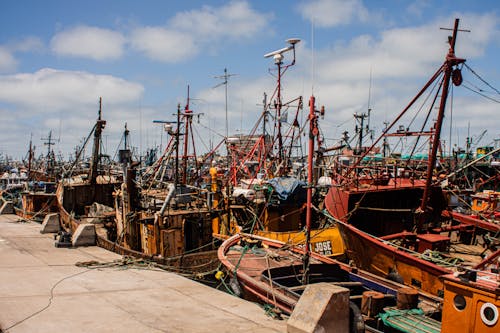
{"x":489,"y":314}
{"x":459,"y":302}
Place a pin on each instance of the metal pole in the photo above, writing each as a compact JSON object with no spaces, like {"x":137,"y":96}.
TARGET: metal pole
{"x":278,"y":113}
{"x":312,"y":133}
{"x":451,"y":60}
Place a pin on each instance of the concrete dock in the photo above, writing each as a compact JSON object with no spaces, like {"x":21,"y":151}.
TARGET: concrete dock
{"x":41,"y":290}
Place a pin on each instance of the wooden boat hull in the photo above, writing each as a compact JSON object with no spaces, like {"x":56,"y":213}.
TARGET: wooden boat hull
{"x":471,"y":305}
{"x":375,"y":256}
{"x":365,"y":215}
{"x":327,"y":241}
{"x":197,"y":264}
{"x":37,"y":205}
{"x":255,"y":288}
{"x":72,"y":200}
{"x":192,"y":264}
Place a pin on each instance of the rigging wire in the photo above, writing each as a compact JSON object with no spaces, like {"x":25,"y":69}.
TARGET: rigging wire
{"x":480,"y":78}
{"x":436,"y":95}
{"x":481,"y":94}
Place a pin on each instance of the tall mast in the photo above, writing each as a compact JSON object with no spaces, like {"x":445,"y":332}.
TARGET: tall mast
{"x":278,"y":60}
{"x":99,"y":126}
{"x":30,"y":157}
{"x":177,"y":136}
{"x":225,"y":82}
{"x":49,"y":142}
{"x":126,"y":133}
{"x":451,"y":60}
{"x":187,"y":119}
{"x":313,"y":132}
{"x":264,"y":118}
{"x":360,"y":131}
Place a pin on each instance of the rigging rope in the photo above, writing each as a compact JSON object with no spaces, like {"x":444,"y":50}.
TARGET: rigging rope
{"x":477,"y":92}
{"x":480,"y":78}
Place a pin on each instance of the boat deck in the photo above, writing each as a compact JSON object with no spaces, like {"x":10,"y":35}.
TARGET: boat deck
{"x":258,"y":260}
{"x":43,"y":291}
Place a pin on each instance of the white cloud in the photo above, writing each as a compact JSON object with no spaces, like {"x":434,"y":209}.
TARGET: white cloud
{"x":65,"y":90}
{"x":236,"y":20}
{"x":411,"y":52}
{"x":163,"y":44}
{"x":27,"y":44}
{"x":52,"y":99}
{"x":331,"y":13}
{"x":401,"y":61}
{"x":484,"y":29}
{"x":182,"y":38}
{"x":187,"y":33}
{"x":417,"y":8}
{"x":11,"y":129}
{"x":89,"y":42}
{"x":7,"y":61}
{"x":393,"y":55}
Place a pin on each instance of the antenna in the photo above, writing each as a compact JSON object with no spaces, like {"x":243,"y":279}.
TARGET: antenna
{"x":312,"y":57}
{"x":278,"y":54}
{"x":278,"y":61}
{"x":49,"y":141}
{"x":369,"y":102}
{"x":225,"y":77}
{"x":100,"y":108}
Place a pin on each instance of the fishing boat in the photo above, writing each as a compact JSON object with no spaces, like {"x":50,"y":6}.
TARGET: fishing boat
{"x":390,"y":215}
{"x":277,"y":274}
{"x":81,"y":189}
{"x":472,"y":299}
{"x":273,"y":273}
{"x":268,"y":171}
{"x":162,"y":213}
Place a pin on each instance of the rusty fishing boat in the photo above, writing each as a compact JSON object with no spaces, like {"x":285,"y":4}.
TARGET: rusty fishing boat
{"x":277,"y":274}
{"x":391,"y":216}
{"x":267,"y":173}
{"x":83,"y":193}
{"x":163,"y":213}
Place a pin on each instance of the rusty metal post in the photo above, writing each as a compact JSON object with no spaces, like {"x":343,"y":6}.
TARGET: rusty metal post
{"x":313,"y":132}
{"x":450,"y":61}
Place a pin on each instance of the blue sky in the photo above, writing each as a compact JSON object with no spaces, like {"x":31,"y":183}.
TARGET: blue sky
{"x":58,"y":57}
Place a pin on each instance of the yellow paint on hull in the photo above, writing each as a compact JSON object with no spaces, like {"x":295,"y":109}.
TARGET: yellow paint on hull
{"x":325,"y":241}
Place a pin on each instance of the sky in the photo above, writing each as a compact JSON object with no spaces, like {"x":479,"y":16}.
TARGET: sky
{"x":57,"y":58}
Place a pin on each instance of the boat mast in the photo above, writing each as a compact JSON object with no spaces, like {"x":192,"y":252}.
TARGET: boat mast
{"x":360,"y":131}
{"x":278,"y":60}
{"x":126,"y":133}
{"x":313,"y":133}
{"x":451,"y":60}
{"x":225,"y":82}
{"x":97,"y":142}
{"x":30,"y":157}
{"x":177,"y":136}
{"x":187,"y":119}
{"x":50,"y":159}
